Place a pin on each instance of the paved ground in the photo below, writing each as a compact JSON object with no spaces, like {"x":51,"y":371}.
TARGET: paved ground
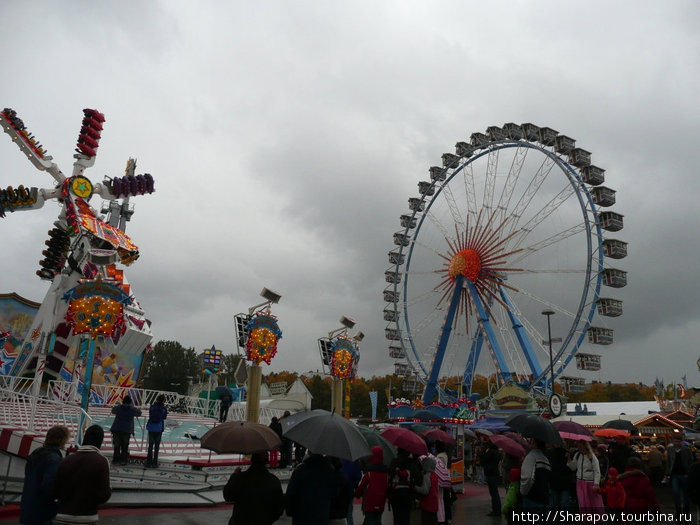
{"x":470,"y":508}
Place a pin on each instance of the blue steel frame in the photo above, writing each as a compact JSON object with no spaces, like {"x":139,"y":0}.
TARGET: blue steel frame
{"x":573,"y":339}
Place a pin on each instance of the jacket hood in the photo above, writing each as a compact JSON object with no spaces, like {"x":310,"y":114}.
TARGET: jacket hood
{"x":514,"y":475}
{"x":612,"y":474}
{"x":377,"y":455}
{"x":428,"y":464}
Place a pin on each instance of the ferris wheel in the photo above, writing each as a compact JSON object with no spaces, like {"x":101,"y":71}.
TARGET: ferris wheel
{"x":512,"y":226}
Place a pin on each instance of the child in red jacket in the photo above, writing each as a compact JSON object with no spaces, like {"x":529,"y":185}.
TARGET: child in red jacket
{"x":614,"y":493}
{"x":428,"y":492}
{"x":373,"y":488}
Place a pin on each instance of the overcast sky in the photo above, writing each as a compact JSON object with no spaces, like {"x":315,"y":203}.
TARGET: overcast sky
{"x":286,"y":137}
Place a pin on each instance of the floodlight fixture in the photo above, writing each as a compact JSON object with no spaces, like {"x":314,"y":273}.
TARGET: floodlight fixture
{"x":347,"y":322}
{"x":270,"y":298}
{"x":359,"y":336}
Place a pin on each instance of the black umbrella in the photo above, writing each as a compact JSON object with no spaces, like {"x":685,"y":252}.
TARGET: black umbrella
{"x":532,"y":426}
{"x":620,"y":424}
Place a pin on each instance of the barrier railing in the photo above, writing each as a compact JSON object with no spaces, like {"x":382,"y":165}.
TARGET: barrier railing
{"x":26,"y":411}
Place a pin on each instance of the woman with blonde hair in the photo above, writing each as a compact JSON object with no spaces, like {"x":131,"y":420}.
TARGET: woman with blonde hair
{"x":585,"y":464}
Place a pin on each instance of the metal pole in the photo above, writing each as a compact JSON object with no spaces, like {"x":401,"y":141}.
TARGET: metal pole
{"x":550,"y":313}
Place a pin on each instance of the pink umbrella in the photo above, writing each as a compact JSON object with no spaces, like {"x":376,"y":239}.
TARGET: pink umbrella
{"x":439,"y":435}
{"x":405,"y":439}
{"x":572,"y":430}
{"x":517,"y":437}
{"x":508,"y":445}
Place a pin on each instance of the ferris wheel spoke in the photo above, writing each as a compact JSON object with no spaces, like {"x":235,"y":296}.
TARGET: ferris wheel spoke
{"x":551,"y":240}
{"x":510,"y":183}
{"x":542,"y":214}
{"x":470,"y":192}
{"x":491,"y":170}
{"x":532,"y":188}
{"x":452,"y":205}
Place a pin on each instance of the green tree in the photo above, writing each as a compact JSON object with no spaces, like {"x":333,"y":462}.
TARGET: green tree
{"x":229,"y":363}
{"x":170,"y":366}
{"x":320,"y":390}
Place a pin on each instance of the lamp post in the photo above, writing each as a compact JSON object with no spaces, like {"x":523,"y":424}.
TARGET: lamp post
{"x":549,"y":314}
{"x":261,"y":345}
{"x":339,"y":353}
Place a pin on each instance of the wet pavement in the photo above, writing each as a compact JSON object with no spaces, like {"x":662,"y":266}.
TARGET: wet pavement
{"x":471,"y":507}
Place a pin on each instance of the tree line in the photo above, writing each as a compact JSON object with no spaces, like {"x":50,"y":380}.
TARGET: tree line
{"x":170,"y":366}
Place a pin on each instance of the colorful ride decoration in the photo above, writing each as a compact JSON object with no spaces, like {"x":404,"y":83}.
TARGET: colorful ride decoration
{"x":120,"y":331}
{"x":459,"y":411}
{"x":96,"y":308}
{"x":344,"y":358}
{"x":263,"y":335}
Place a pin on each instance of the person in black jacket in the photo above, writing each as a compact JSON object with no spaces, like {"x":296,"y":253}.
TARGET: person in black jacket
{"x":311,"y":492}
{"x":489,"y":460}
{"x":256,"y":494}
{"x":561,"y":480}
{"x":157,"y":415}
{"x":82,"y":481}
{"x":38,"y":506}
{"x":122,"y":428}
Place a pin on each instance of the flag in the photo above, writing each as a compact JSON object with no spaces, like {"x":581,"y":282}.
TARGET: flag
{"x":373,"y":400}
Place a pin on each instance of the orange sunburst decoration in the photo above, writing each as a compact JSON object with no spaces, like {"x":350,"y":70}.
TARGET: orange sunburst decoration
{"x":478,"y":255}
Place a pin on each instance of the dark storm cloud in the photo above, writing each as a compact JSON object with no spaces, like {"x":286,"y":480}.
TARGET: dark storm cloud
{"x":285,"y":140}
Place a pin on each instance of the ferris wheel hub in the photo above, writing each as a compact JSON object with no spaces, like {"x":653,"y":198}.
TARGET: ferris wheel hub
{"x":466,"y":263}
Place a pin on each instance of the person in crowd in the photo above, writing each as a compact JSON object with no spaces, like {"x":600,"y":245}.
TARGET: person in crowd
{"x":405,"y":473}
{"x":312,"y":491}
{"x":122,"y":428}
{"x":353,"y":473}
{"x":639,"y":494}
{"x":299,"y":453}
{"x":680,"y":458}
{"x":618,"y":453}
{"x":479,"y":477}
{"x":468,"y":455}
{"x":489,"y":461}
{"x":155,"y":426}
{"x":82,"y":481}
{"x":614,"y":493}
{"x":694,"y":483}
{"x":373,"y":487}
{"x":561,"y":478}
{"x":428,"y":492}
{"x":601,"y":452}
{"x":256,"y":494}
{"x":655,"y":465}
{"x":275,"y":454}
{"x":286,"y":448}
{"x":340,"y":504}
{"x":224,"y":405}
{"x":535,"y":474}
{"x":442,"y":469}
{"x":513,"y":501}
{"x":38,"y":506}
{"x":585,"y":464}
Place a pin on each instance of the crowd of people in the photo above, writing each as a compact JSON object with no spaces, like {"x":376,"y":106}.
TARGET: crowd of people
{"x":591,"y":477}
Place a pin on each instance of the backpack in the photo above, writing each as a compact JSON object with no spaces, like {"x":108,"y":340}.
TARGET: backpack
{"x":539,"y":491}
{"x":401,"y":479}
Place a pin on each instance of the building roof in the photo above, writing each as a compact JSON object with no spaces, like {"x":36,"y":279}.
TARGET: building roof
{"x":618,"y":408}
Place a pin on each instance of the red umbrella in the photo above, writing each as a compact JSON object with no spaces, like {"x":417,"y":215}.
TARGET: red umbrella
{"x":439,"y":435}
{"x":405,"y":439}
{"x":611,"y":433}
{"x":508,"y":445}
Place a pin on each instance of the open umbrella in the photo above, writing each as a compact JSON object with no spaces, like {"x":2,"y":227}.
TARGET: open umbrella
{"x":240,"y":437}
{"x":611,"y":433}
{"x":517,"y":437}
{"x":436,"y":434}
{"x":469,"y":433}
{"x":532,"y":426}
{"x":324,"y":432}
{"x":508,"y":445}
{"x":620,"y":424}
{"x":375,"y":439}
{"x":573,"y":430}
{"x":405,"y":439}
